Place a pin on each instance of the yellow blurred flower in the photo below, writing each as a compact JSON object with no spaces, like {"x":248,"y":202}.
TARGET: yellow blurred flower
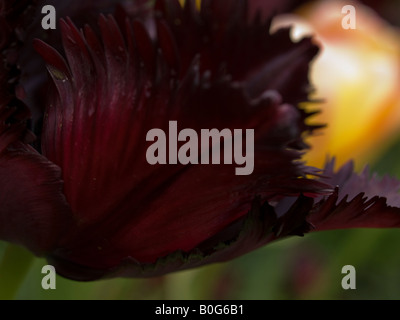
{"x":357,"y":76}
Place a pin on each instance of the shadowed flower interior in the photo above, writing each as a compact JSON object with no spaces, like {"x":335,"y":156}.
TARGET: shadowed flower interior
{"x":96,"y":208}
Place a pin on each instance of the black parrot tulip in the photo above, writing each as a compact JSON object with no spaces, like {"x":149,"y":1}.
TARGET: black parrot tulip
{"x":75,"y":185}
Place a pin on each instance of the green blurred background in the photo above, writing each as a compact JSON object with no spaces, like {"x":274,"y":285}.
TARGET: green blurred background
{"x":295,"y":268}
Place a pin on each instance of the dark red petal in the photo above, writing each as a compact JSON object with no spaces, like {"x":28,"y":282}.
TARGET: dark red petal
{"x":221,"y":35}
{"x":224,"y":42}
{"x":33,"y":210}
{"x":238,"y":238}
{"x":34,"y":75}
{"x":360,"y":201}
{"x":121,"y":87}
{"x":59,"y":69}
{"x":258,"y":227}
{"x":168,"y":45}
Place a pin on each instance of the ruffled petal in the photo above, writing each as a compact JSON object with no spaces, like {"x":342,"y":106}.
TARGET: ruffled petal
{"x":359,"y":201}
{"x":110,"y":92}
{"x":266,"y":222}
{"x":34,"y":75}
{"x":220,"y":35}
{"x":257,"y":228}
